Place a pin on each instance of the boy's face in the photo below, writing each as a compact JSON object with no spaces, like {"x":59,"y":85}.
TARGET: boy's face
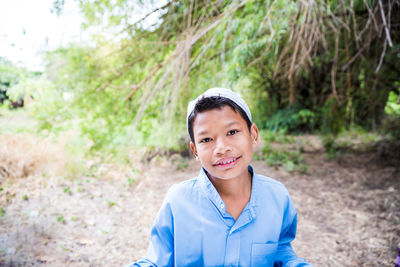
{"x":223,"y":143}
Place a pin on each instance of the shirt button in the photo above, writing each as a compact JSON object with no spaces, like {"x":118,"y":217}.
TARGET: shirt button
{"x":222,"y":206}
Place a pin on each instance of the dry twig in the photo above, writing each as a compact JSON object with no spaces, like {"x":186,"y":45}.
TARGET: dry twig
{"x":385,"y":25}
{"x":148,"y":77}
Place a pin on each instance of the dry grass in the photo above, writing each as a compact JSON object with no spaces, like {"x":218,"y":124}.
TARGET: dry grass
{"x":22,"y":156}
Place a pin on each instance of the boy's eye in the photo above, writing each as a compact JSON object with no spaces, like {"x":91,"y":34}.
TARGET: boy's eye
{"x":205,"y":140}
{"x":232,"y":132}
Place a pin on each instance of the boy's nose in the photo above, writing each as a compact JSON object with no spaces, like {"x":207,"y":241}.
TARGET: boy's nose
{"x":222,"y":146}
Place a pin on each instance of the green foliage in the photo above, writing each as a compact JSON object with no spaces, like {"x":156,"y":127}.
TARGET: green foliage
{"x":74,"y":218}
{"x":277,"y":157}
{"x":354,"y":139}
{"x":277,"y":137}
{"x":131,"y":85}
{"x":58,"y":6}
{"x":391,"y":122}
{"x":80,"y":101}
{"x":291,"y":120}
{"x":11,"y":75}
{"x":2,"y":212}
{"x":131,"y":181}
{"x":67,"y":190}
{"x":392,"y":107}
{"x":276,"y":152}
{"x":61,"y":219}
{"x":333,"y":117}
{"x":111,"y":203}
{"x":333,"y":150}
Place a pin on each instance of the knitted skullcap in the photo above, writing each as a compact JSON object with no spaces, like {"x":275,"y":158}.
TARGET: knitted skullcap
{"x":222,"y":92}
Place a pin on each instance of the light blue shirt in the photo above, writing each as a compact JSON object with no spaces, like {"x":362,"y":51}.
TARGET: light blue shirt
{"x":193,"y":228}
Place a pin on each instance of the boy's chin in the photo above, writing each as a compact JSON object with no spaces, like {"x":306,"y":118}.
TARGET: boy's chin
{"x":226,"y":174}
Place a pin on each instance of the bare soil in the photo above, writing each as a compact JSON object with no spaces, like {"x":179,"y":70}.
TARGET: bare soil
{"x":348,"y":211}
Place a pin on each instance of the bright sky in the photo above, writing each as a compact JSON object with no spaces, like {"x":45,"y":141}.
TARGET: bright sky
{"x":28,"y":27}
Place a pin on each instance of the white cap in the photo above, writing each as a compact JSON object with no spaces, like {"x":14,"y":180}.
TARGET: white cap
{"x":223,"y":92}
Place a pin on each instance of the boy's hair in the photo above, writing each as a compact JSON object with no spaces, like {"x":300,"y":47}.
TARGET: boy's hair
{"x":214,"y":102}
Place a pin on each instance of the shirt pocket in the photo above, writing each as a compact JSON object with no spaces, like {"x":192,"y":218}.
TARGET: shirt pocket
{"x":263,"y":254}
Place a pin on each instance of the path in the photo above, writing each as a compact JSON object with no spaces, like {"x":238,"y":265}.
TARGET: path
{"x":348,"y":213}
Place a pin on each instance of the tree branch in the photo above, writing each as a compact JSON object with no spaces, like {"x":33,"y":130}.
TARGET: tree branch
{"x":146,"y":16}
{"x":121,"y":73}
{"x":385,"y":24}
{"x":136,"y":87}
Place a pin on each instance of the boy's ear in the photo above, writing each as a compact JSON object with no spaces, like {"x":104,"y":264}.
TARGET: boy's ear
{"x":254,"y":134}
{"x":193,"y":148}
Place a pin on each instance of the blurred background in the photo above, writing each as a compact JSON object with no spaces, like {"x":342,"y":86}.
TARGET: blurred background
{"x":93,"y":97}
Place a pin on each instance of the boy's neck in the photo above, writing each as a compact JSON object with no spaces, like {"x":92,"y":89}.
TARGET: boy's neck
{"x":238,"y":187}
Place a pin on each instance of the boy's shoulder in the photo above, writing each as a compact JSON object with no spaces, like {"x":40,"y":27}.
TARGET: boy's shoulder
{"x":268,"y":181}
{"x":183,"y":189}
{"x":265,"y":184}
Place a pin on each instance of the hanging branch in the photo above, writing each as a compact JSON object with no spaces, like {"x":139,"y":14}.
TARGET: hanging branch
{"x":215,"y":23}
{"x":348,"y":63}
{"x":146,"y":16}
{"x":381,"y":58}
{"x":136,"y":87}
{"x":156,"y":88}
{"x":334,"y":66}
{"x":386,"y":40}
{"x":385,"y":24}
{"x":120,"y":74}
{"x":180,"y":60}
{"x":292,"y":65}
{"x":371,"y":15}
{"x":267,"y":18}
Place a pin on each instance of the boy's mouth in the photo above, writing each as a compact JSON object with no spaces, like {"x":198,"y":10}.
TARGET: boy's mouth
{"x":227,"y":162}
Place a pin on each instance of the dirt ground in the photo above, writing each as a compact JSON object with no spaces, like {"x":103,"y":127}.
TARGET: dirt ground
{"x":348,"y":209}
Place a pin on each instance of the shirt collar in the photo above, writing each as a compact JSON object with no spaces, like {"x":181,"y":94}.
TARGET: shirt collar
{"x":212,"y":193}
{"x":253,"y":198}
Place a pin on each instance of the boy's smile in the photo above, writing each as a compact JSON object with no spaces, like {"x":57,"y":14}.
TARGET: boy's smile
{"x":227,"y":163}
{"x":223,"y":143}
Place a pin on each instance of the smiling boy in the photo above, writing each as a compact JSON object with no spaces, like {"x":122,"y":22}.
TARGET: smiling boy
{"x":228,"y":215}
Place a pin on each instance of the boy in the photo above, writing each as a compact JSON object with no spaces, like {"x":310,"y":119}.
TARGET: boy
{"x":228,"y":215}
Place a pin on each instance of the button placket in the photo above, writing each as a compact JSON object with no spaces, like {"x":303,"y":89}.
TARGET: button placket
{"x":232,"y":251}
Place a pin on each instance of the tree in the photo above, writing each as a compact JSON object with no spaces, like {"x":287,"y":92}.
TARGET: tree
{"x":329,"y":64}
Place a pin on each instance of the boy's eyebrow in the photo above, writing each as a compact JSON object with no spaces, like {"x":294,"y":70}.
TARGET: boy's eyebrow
{"x":204,"y":132}
{"x":231,"y":123}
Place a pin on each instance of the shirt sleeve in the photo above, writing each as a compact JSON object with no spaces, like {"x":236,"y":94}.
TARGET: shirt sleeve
{"x":161,"y":248}
{"x":285,"y":254}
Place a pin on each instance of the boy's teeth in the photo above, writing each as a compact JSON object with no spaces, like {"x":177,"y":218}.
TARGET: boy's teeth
{"x":229,"y":161}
